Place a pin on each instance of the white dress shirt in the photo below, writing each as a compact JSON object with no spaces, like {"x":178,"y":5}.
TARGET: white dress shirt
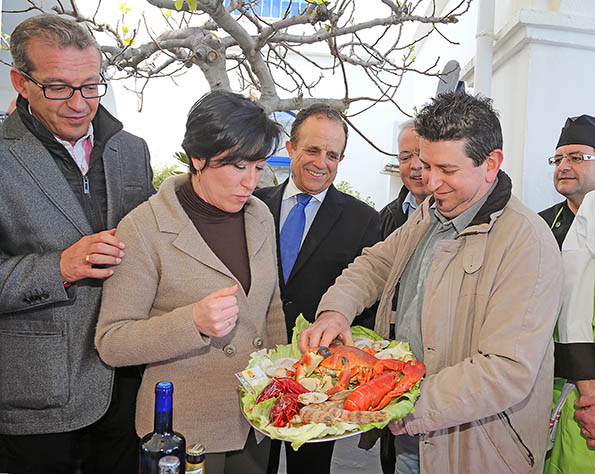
{"x":290,"y":199}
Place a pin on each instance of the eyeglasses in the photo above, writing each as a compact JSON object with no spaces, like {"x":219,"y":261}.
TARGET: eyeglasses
{"x":574,"y":158}
{"x":407,"y":155}
{"x":63,"y":92}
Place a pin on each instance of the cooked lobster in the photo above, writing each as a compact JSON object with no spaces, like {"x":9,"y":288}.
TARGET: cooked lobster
{"x":378,"y":392}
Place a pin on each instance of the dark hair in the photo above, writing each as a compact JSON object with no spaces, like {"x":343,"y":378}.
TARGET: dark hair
{"x":222,"y":121}
{"x":54,"y":30}
{"x":461,"y":116}
{"x":321,"y":110}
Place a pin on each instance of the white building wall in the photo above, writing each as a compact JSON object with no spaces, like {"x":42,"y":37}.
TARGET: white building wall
{"x":544,"y":59}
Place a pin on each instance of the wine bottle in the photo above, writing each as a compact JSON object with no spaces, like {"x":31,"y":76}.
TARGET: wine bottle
{"x":163,"y":440}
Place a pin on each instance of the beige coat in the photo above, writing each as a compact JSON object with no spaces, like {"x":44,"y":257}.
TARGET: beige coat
{"x":492,"y":298}
{"x":146,"y":316}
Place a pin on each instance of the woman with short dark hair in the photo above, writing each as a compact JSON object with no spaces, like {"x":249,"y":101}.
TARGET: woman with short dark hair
{"x":197,"y":290}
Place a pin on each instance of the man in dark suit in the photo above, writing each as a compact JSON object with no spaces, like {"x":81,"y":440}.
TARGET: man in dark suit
{"x":320,"y":231}
{"x":69,"y":173}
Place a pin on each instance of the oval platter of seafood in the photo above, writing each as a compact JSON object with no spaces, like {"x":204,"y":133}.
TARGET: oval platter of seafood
{"x":329,"y":393}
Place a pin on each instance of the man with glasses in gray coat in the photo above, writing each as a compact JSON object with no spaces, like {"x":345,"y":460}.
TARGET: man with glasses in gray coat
{"x":69,"y":173}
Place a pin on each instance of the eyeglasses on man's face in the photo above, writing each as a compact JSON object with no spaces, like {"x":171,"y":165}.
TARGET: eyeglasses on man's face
{"x":407,"y":155}
{"x":63,"y":91}
{"x":574,"y":158}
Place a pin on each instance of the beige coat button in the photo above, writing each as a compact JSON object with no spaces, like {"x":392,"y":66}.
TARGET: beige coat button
{"x":230,"y":350}
{"x":258,"y":342}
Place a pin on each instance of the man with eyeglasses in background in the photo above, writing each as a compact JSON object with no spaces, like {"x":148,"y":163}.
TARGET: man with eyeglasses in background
{"x":571,"y":443}
{"x":414,"y":191}
{"x":574,"y":175}
{"x":69,"y":173}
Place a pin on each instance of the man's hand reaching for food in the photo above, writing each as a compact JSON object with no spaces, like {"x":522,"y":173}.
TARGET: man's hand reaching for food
{"x":330,"y":325}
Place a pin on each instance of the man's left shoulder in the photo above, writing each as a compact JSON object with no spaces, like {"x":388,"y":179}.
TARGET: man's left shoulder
{"x":123,"y":136}
{"x":520,"y":219}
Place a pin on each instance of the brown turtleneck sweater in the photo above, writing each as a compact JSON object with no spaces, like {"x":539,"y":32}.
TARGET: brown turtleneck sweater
{"x":223,"y":232}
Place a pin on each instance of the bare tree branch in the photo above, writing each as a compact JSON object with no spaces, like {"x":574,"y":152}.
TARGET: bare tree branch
{"x":234,"y":44}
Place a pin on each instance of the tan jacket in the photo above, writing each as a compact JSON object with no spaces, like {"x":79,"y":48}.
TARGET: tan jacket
{"x":492,"y":298}
{"x":146,"y":316}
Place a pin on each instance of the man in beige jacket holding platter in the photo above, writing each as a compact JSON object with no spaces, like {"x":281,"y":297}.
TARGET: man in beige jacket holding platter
{"x":477,"y":278}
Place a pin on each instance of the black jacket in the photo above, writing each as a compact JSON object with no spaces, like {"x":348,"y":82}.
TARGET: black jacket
{"x":562,"y":223}
{"x":392,"y":216}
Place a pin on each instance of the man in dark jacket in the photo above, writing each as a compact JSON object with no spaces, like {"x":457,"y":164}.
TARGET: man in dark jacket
{"x":69,"y":173}
{"x":574,"y":175}
{"x":413,"y":191}
{"x":329,"y":229}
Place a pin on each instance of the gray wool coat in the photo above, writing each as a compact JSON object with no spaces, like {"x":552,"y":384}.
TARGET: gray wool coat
{"x":51,"y":377}
{"x":146,"y":316}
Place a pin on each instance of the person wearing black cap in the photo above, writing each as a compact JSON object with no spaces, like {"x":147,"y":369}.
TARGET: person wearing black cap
{"x":574,"y":175}
{"x":571,"y":440}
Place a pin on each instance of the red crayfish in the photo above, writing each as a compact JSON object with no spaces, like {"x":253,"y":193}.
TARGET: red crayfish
{"x":284,"y":409}
{"x":287,"y":405}
{"x":280,"y":386}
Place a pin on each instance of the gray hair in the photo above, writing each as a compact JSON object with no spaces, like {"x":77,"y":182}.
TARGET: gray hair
{"x":53,"y":30}
{"x":406,"y":125}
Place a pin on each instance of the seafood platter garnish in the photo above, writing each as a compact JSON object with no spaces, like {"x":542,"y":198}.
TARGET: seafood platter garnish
{"x":329,"y":392}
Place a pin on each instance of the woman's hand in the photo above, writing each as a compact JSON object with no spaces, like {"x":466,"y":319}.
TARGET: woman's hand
{"x":216,"y":314}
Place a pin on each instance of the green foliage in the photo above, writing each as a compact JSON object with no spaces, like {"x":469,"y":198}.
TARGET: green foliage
{"x":345,"y":187}
{"x":178,"y":4}
{"x":182,"y":159}
{"x":163,"y":172}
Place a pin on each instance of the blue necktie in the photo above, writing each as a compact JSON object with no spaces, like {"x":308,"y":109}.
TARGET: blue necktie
{"x":290,"y":237}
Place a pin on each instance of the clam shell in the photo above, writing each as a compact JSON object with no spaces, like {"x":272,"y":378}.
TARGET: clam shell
{"x":310,"y":383}
{"x":286,"y":362}
{"x":385,"y":354}
{"x":379,"y":345}
{"x":340,"y":396}
{"x":312,"y":397}
{"x":360,"y":342}
{"x":275,"y":372}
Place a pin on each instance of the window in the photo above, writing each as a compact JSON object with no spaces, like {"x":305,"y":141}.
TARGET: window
{"x":277,"y":8}
{"x":280,"y":160}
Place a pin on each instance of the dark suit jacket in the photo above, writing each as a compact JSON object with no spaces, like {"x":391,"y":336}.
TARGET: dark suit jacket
{"x":51,"y":377}
{"x":343,"y":226}
{"x":392,"y":216}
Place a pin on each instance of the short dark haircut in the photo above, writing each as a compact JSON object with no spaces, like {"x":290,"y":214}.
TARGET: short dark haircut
{"x":461,"y":116}
{"x":54,"y":30}
{"x":318,"y":110}
{"x":222,"y":121}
